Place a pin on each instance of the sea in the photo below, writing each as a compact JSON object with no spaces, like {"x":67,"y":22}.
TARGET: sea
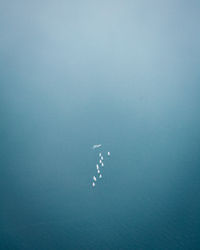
{"x":123,"y":74}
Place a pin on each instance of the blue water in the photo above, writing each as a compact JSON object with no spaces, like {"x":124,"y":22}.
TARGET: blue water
{"x":121,"y":74}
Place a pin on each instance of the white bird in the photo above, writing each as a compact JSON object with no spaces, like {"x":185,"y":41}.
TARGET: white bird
{"x":96,"y":146}
{"x":98,"y":171}
{"x":108,"y":153}
{"x":100,"y":176}
{"x":97,"y":166}
{"x":94,"y":178}
{"x":102,"y":164}
{"x":99,"y":154}
{"x":100,"y":161}
{"x":93,"y":184}
{"x":102,"y":158}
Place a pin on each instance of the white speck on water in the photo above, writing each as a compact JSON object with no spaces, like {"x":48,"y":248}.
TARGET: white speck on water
{"x":96,"y":146}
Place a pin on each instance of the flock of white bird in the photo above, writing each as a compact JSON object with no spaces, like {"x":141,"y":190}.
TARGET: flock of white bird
{"x":99,"y":165}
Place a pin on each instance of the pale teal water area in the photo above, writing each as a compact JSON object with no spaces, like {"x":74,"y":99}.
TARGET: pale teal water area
{"x":121,"y":73}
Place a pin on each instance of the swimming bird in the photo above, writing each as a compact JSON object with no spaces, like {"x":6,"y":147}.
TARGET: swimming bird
{"x":94,"y":178}
{"x":96,"y":146}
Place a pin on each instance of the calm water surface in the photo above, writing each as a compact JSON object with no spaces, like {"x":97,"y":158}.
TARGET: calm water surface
{"x":123,"y":74}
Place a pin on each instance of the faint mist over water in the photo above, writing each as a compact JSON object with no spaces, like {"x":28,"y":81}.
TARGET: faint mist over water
{"x":121,"y":73}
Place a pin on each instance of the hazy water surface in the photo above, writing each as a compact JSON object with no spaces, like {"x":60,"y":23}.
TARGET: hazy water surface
{"x":121,"y":73}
